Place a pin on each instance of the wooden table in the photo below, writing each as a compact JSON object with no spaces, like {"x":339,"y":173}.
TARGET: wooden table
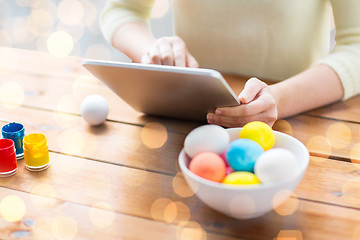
{"x":112,"y":182}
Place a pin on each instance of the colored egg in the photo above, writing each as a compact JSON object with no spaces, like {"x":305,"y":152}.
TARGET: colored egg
{"x":276,"y":165}
{"x":259,"y":132}
{"x":223,"y":157}
{"x":241,"y":154}
{"x":206,"y":138}
{"x":241,"y":178}
{"x":208,"y":165}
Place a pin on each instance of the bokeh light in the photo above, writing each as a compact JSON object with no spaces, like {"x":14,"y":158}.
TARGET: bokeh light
{"x":288,"y":207}
{"x":280,"y":198}
{"x":165,"y":210}
{"x":290,"y":235}
{"x":102,"y":218}
{"x":12,"y":95}
{"x":20,"y":31}
{"x":193,"y":231}
{"x":154,"y":135}
{"x":180,"y":186}
{"x":183,"y":212}
{"x":158,"y":207}
{"x":43,"y":196}
{"x":170,"y":212}
{"x":355,"y":155}
{"x":64,"y":227}
{"x":351,"y":191}
{"x":91,"y":13}
{"x":42,"y":228}
{"x":60,"y":44}
{"x":242,"y":205}
{"x":40,"y":22}
{"x":70,"y":12}
{"x":160,"y":8}
{"x":12,"y":208}
{"x":339,"y":134}
{"x":283,"y":126}
{"x":320,"y":144}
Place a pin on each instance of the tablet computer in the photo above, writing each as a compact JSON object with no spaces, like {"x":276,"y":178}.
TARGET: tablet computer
{"x":177,"y":92}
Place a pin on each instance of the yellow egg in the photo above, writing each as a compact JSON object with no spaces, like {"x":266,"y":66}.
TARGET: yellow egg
{"x":259,"y":132}
{"x":241,"y":178}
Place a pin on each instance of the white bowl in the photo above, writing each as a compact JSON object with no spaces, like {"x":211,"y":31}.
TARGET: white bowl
{"x":247,"y":201}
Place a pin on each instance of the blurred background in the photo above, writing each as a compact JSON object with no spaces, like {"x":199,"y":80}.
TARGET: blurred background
{"x":67,"y":27}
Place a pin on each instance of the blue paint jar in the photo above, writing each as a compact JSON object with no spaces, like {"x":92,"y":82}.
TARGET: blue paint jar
{"x":15,"y":132}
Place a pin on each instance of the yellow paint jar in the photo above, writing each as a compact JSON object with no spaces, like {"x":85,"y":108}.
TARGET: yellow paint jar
{"x":36,"y":152}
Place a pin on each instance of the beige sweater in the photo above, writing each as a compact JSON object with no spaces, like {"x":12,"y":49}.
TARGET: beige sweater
{"x":263,"y":38}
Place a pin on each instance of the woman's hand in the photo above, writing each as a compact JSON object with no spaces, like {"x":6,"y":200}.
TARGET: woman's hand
{"x":257,"y":104}
{"x":170,"y":51}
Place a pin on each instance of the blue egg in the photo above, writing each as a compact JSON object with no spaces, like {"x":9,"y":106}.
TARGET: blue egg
{"x":242,"y":154}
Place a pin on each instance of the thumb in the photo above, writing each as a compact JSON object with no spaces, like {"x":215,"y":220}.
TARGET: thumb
{"x":252,"y":88}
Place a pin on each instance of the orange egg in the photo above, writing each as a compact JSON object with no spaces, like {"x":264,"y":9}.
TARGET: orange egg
{"x":208,"y":165}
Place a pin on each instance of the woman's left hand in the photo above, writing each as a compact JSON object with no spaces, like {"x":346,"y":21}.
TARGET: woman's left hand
{"x":257,"y":104}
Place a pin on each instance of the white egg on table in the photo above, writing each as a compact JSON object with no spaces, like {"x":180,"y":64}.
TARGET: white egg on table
{"x":276,"y":164}
{"x":206,"y":138}
{"x":94,"y":109}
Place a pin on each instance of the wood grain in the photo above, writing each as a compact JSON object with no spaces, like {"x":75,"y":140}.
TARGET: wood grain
{"x":148,"y":195}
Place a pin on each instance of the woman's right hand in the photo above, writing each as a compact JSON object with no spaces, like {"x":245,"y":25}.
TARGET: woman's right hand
{"x":170,"y":51}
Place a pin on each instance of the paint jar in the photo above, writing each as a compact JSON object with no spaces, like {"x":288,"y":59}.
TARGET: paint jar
{"x":15,"y":132}
{"x":36,"y":152}
{"x":8,"y":163}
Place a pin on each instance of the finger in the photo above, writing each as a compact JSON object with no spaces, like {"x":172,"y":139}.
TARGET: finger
{"x":251,"y":90}
{"x":179,"y":52}
{"x":154,"y":55}
{"x":267,"y":117}
{"x":257,"y":106}
{"x":166,"y":54}
{"x":145,"y":59}
{"x":191,"y":61}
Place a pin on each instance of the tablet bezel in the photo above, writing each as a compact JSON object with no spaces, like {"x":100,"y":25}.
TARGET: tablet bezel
{"x":112,"y":74}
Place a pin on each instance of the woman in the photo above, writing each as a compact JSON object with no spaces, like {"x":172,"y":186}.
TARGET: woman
{"x":286,"y":41}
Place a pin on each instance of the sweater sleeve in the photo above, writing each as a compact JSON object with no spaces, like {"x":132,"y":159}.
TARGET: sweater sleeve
{"x":118,"y":12}
{"x":344,"y":59}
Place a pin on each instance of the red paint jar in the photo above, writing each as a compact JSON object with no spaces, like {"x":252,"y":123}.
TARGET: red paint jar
{"x":8,"y":163}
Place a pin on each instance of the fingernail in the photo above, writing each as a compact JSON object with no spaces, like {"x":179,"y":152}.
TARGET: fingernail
{"x":218,"y":111}
{"x":210,"y":117}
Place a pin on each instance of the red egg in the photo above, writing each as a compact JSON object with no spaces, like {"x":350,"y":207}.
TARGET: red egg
{"x":208,"y":165}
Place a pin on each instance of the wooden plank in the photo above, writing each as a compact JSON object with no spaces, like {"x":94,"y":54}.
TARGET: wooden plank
{"x":66,"y":220}
{"x":67,"y":96}
{"x":324,"y":137}
{"x":40,"y":64}
{"x":321,"y":136}
{"x":344,"y":110}
{"x":112,"y":142}
{"x":163,"y":198}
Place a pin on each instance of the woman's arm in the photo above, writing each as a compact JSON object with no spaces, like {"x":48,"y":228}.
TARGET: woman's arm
{"x":317,"y":86}
{"x":125,"y":25}
{"x":334,"y":77}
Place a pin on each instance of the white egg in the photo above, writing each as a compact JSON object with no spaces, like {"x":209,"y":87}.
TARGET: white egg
{"x":206,"y":138}
{"x":276,"y":164}
{"x":94,"y":109}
